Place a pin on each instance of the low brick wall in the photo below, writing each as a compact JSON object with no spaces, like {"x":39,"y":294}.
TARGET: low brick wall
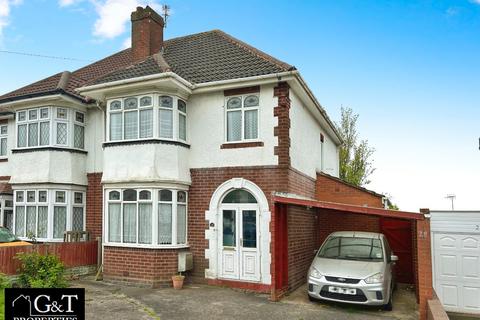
{"x":435,"y":309}
{"x":72,"y":254}
{"x":140,"y":266}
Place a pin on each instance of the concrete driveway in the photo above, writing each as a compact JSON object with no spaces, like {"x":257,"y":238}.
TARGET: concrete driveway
{"x":112,"y":302}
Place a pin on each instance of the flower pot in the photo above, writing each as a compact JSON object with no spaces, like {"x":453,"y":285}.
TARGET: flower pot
{"x":178,"y":281}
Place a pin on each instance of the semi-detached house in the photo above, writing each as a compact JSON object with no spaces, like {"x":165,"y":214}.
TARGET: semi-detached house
{"x":170,"y":146}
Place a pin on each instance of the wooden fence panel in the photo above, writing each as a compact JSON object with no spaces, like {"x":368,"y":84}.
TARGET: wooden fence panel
{"x":72,"y":254}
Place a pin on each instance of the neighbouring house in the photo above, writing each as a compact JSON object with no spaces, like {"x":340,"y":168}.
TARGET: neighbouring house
{"x":200,"y":143}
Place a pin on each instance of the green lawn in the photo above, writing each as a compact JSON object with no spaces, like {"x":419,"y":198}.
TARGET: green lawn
{"x":2,"y":307}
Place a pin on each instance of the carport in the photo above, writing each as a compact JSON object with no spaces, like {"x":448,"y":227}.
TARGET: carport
{"x":302,"y":224}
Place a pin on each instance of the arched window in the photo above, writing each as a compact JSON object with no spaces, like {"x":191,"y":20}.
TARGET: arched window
{"x":239,"y":196}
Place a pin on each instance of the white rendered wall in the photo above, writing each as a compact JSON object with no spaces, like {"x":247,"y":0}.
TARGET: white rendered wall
{"x":305,"y":145}
{"x":94,"y":138}
{"x":48,"y":167}
{"x":206,"y":121}
{"x":146,"y":163}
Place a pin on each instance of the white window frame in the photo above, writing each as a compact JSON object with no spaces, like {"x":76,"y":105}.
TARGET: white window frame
{"x":52,"y":121}
{"x":243,"y":109}
{"x":4,"y":136}
{"x":155,"y":107}
{"x":50,"y":204}
{"x":154,"y":201}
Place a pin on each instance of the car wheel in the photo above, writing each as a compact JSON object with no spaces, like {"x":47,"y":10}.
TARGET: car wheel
{"x":389,"y":305}
{"x":313,"y":299}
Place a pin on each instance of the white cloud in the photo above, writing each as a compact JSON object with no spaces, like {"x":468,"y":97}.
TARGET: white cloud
{"x":67,"y":3}
{"x":5,"y":8}
{"x":476,"y":1}
{"x":127,"y":43}
{"x":114,"y":16}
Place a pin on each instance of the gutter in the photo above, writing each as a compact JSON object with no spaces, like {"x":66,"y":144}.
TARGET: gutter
{"x":162,"y":75}
{"x":56,"y":94}
{"x":206,"y":86}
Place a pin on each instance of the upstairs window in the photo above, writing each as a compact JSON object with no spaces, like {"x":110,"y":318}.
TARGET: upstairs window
{"x":3,"y":140}
{"x":146,"y":117}
{"x":50,"y":126}
{"x":242,"y":118}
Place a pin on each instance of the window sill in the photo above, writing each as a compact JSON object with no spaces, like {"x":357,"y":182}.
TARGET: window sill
{"x":3,"y":159}
{"x":236,"y":145}
{"x":145,"y":141}
{"x":146,"y":246}
{"x":49,"y":148}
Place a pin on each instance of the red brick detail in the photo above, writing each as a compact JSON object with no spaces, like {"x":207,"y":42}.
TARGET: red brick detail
{"x":249,"y":286}
{"x":300,"y":184}
{"x":139,"y":266}
{"x":282,"y":131}
{"x":204,"y":183}
{"x":241,"y":145}
{"x":424,"y":266}
{"x":332,"y":189}
{"x":302,"y":231}
{"x":94,"y":205}
{"x":147,"y":33}
{"x":239,"y":91}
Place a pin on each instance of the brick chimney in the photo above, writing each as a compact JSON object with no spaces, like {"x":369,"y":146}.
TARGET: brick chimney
{"x":147,"y":33}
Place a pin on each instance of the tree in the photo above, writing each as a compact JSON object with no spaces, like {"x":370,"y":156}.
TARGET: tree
{"x":355,"y":157}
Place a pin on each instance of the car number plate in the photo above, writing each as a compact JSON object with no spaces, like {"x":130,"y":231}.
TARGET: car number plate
{"x":342,"y":290}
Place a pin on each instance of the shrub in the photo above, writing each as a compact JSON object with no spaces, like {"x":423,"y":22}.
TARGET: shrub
{"x":4,"y":282}
{"x":38,"y":271}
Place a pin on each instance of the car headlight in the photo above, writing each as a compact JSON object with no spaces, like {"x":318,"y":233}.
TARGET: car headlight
{"x":376,"y":278}
{"x":314,"y":273}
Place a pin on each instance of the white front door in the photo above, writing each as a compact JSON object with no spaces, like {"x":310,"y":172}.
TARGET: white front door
{"x":457,"y":271}
{"x":239,"y":239}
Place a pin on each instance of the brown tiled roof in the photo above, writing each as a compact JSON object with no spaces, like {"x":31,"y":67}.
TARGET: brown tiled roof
{"x":198,"y":58}
{"x":71,"y":80}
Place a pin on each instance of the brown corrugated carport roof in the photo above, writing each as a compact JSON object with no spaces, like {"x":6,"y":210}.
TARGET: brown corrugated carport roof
{"x":347,"y":207}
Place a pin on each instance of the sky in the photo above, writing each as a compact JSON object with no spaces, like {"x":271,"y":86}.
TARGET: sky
{"x":410,"y":69}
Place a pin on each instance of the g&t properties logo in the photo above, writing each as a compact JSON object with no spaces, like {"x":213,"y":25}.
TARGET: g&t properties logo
{"x":45,"y":304}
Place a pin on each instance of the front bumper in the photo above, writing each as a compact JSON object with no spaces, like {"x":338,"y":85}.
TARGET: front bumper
{"x":366,"y":294}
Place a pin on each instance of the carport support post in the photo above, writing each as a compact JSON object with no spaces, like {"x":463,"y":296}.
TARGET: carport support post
{"x":424,"y":264}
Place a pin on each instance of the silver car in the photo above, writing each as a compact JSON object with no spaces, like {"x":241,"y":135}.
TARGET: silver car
{"x":353,"y":267}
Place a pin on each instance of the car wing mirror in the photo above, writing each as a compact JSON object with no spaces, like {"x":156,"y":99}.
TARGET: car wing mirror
{"x":394,"y":258}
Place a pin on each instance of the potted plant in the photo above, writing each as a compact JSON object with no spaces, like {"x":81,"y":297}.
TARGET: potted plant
{"x":178,"y":281}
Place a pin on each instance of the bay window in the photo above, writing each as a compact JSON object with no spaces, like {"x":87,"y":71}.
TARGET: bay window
{"x":3,"y":140}
{"x":133,"y":219}
{"x":147,"y":117}
{"x":50,"y":126}
{"x":242,"y":118}
{"x":46,"y":214}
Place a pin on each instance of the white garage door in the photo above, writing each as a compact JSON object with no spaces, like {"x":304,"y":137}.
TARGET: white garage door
{"x":456,"y":259}
{"x":457,"y":271}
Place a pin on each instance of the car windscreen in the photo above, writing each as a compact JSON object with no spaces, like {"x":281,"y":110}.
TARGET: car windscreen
{"x":7,"y":236}
{"x":352,"y":248}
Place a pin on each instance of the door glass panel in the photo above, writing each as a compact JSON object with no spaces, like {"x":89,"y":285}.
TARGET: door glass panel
{"x":249,"y":226}
{"x":229,"y":228}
